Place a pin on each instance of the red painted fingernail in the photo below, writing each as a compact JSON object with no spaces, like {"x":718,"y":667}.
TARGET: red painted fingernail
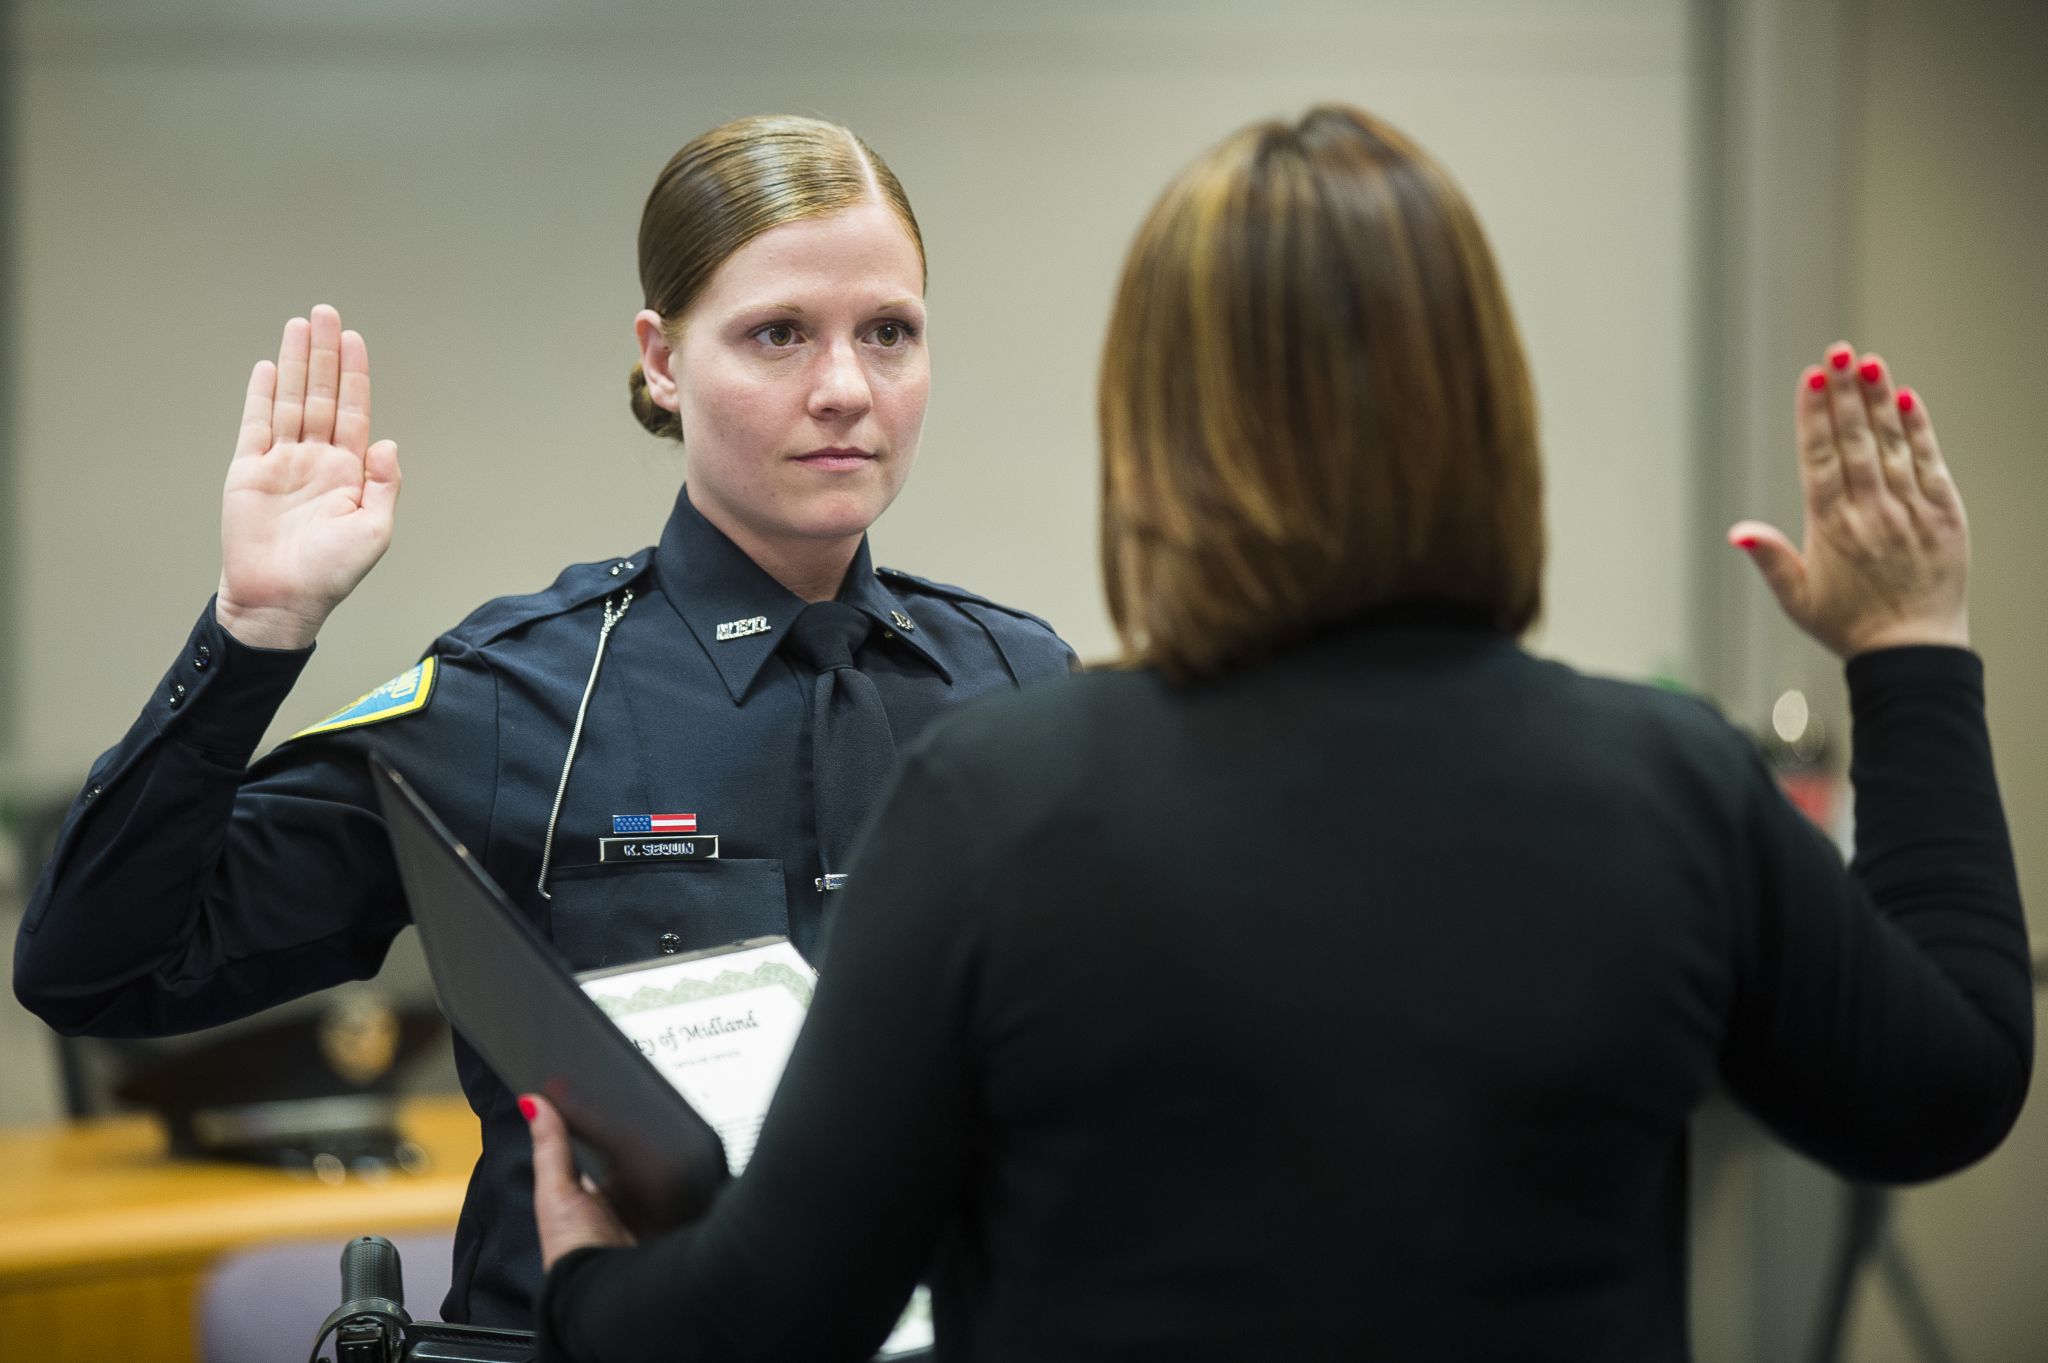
{"x":527,"y":1108}
{"x":1840,"y":356}
{"x":1816,"y":380}
{"x":1744,"y":542}
{"x":1906,"y":400}
{"x":1871,"y":371}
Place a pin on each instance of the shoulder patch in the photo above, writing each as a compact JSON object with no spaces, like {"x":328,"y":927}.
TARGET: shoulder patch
{"x":402,"y":695}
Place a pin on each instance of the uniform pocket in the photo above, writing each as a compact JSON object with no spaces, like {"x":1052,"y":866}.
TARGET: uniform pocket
{"x":611,"y":915}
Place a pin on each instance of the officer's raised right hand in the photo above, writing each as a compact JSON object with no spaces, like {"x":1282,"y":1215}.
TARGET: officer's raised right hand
{"x":309,"y":501}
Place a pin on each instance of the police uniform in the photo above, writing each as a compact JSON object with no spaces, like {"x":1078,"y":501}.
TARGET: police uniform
{"x":188,"y":888}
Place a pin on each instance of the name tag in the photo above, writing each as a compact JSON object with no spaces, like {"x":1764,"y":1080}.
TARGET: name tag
{"x":703,"y":848}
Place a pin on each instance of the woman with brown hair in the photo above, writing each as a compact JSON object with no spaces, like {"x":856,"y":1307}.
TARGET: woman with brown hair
{"x":1337,"y":980}
{"x":743,"y":680}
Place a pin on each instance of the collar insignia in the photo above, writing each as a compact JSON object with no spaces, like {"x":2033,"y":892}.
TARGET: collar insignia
{"x":740,"y":629}
{"x":903,"y":622}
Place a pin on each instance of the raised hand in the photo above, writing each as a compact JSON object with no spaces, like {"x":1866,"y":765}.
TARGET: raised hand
{"x":1887,"y":548}
{"x":309,"y":501}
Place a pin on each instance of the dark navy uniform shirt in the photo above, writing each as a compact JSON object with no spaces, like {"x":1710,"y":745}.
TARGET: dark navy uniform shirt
{"x":189,"y":888}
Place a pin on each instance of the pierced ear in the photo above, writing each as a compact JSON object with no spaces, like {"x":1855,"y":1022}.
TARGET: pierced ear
{"x":657,"y":359}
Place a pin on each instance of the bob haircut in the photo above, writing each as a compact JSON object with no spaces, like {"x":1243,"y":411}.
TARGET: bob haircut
{"x":1313,"y":403}
{"x":728,"y":186}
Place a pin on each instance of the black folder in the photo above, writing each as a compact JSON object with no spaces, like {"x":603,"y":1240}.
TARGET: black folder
{"x":513,"y":998}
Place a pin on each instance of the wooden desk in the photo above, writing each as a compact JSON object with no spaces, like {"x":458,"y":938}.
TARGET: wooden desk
{"x":104,"y":1240}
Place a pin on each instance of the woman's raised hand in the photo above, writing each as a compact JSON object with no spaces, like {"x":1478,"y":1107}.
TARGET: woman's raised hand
{"x":1887,"y":550}
{"x":309,"y":501}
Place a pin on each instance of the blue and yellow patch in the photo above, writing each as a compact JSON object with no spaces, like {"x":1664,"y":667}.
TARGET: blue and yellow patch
{"x":402,"y":695}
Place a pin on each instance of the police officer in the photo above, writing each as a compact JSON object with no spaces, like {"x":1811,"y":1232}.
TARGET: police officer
{"x":676,"y":690}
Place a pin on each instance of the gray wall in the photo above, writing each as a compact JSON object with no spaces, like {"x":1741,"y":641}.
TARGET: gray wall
{"x":1666,"y":184}
{"x":1947,"y":230}
{"x":464,"y":182}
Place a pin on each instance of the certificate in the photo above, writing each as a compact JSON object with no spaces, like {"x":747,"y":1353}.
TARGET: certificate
{"x":720,"y":1024}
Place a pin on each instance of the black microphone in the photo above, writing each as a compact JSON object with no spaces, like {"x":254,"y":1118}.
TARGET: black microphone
{"x":369,"y":1325}
{"x":370,"y":1271}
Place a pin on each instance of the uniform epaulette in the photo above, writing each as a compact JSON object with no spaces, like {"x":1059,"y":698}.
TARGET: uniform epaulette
{"x":897,"y":577}
{"x":579,"y":584}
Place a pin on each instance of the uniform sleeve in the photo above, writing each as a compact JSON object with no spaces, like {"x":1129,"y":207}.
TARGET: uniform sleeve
{"x":187,"y":888}
{"x":1883,"y":1020}
{"x":814,"y":1250}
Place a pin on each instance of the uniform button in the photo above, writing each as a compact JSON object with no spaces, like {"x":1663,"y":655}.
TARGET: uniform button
{"x":201,"y":656}
{"x":615,"y":570}
{"x":177,"y":693}
{"x":670,"y":944}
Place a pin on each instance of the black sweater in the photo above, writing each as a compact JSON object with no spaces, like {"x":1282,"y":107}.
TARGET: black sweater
{"x":1352,"y":1006}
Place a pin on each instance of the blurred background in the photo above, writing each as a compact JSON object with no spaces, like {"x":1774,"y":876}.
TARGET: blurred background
{"x":1690,"y":200}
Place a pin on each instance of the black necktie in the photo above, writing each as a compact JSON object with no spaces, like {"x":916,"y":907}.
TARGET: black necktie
{"x":852,"y":748}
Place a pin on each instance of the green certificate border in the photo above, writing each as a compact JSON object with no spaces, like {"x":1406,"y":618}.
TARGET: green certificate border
{"x":767,"y":975}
